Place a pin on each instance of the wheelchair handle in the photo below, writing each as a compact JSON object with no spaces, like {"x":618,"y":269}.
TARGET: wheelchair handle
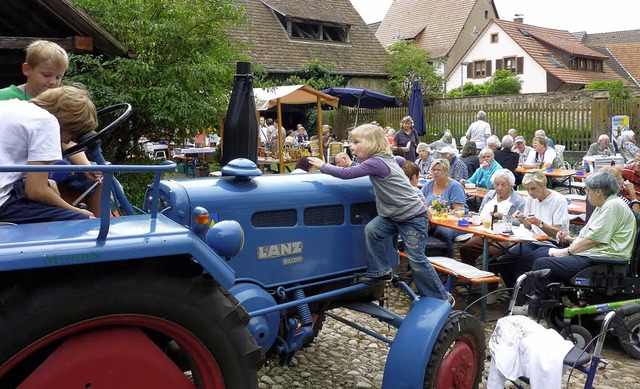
{"x":628,"y":309}
{"x":538,"y":273}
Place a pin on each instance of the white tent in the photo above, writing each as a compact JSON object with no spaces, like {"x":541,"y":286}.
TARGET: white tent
{"x":292,"y":94}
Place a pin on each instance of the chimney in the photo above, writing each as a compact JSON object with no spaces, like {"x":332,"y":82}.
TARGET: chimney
{"x":518,"y":18}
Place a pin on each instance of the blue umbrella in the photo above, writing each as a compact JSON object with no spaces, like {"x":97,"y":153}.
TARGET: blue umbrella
{"x":362,"y":98}
{"x":416,"y":108}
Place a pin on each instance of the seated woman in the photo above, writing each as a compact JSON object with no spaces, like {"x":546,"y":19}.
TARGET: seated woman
{"x":424,"y":159}
{"x":469,"y":156}
{"x":444,"y":189}
{"x":627,"y":191}
{"x":488,"y":166}
{"x":628,"y":147}
{"x":609,"y":233}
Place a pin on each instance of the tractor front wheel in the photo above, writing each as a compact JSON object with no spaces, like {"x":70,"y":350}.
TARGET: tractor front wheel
{"x":457,"y":358}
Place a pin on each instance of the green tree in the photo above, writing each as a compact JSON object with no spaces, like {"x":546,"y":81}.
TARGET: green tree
{"x":180,"y":70}
{"x":617,"y":90}
{"x":405,"y":63}
{"x":503,"y":82}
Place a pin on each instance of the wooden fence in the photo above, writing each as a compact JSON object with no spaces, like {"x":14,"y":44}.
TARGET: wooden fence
{"x":573,"y":119}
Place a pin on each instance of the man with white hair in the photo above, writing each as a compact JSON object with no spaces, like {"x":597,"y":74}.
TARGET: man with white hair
{"x":457,"y":168}
{"x":505,"y":157}
{"x":522,"y":149}
{"x":602,"y":147}
{"x":479,"y":130}
{"x":446,"y":141}
{"x":550,"y":142}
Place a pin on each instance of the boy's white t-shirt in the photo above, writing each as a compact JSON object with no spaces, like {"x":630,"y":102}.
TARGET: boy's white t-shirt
{"x":29,"y":134}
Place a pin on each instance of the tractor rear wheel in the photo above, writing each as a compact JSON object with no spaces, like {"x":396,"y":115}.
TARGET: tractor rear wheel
{"x":125,"y":330}
{"x":457,"y":358}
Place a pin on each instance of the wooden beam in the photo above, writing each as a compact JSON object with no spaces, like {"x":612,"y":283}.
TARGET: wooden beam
{"x":21,"y":42}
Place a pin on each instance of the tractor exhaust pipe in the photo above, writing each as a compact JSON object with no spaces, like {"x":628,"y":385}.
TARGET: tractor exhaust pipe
{"x":241,"y":122}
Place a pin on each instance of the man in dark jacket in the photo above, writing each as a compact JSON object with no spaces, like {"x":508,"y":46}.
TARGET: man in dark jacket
{"x":507,"y":158}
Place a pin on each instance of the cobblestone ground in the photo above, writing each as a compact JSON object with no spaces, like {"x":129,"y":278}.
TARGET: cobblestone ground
{"x":342,"y":357}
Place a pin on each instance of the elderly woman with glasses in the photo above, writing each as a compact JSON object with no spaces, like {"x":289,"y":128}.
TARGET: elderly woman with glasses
{"x":609,"y":233}
{"x":424,"y":159}
{"x":444,"y":189}
{"x":488,"y":165}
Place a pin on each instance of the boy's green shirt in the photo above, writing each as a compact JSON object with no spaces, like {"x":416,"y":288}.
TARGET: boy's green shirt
{"x":13,"y":92}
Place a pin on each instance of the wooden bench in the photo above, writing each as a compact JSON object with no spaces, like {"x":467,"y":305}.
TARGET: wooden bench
{"x":459,"y":273}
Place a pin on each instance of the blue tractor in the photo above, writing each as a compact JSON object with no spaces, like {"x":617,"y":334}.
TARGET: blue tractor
{"x":193,"y":290}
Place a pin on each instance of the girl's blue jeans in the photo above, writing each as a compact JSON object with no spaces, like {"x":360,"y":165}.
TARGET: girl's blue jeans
{"x":414,"y":236}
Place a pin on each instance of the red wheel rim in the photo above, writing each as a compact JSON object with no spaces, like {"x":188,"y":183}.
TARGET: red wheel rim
{"x":203,"y":365}
{"x":459,"y":366}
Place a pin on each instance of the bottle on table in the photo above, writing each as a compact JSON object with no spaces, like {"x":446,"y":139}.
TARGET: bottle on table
{"x":494,"y":216}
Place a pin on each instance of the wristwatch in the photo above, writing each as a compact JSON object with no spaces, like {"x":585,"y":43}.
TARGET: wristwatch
{"x":541,"y":224}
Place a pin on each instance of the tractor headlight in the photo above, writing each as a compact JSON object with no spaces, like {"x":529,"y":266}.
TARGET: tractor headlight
{"x":226,"y":238}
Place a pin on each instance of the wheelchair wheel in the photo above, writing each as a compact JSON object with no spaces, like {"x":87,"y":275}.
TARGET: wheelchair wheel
{"x":579,"y":336}
{"x":630,"y":335}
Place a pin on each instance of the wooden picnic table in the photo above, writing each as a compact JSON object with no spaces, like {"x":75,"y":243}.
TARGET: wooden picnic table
{"x":487,"y":237}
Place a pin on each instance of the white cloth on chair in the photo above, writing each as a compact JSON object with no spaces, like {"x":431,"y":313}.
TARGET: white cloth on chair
{"x":520,"y":347}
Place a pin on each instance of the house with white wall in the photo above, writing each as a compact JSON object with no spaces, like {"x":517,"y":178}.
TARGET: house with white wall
{"x":544,"y":59}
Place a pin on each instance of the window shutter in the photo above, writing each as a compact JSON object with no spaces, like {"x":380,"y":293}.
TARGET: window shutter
{"x":520,"y":65}
{"x":470,"y":70}
{"x":489,"y":72}
{"x":499,"y":64}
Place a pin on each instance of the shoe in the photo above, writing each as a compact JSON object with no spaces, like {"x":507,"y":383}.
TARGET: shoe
{"x":450,"y":299}
{"x":521,"y":310}
{"x":368,"y":280}
{"x":461,"y":290}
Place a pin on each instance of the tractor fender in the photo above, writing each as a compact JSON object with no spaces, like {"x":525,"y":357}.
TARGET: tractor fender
{"x":264,"y":328}
{"x":412,"y":345}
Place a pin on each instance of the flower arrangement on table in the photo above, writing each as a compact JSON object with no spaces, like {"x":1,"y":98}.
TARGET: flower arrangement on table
{"x":440,"y":208}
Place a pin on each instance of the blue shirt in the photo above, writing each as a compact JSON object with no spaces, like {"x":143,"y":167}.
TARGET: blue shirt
{"x":482,"y":176}
{"x":454,"y":194}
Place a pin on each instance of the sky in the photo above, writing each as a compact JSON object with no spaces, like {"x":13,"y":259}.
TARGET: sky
{"x":592,"y":16}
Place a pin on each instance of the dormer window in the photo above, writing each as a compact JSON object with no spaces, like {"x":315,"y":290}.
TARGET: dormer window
{"x":586,"y":64}
{"x":313,"y":29}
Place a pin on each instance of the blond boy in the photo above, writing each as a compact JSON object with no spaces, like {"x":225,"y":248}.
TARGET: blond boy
{"x":44,"y":66}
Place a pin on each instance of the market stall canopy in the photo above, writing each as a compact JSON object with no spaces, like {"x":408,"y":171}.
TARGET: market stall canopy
{"x":290,"y":94}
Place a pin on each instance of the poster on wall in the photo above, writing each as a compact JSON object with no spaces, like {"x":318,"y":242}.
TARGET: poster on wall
{"x":618,"y":124}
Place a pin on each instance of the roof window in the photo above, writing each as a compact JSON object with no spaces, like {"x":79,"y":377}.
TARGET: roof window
{"x":553,"y":61}
{"x":313,"y":30}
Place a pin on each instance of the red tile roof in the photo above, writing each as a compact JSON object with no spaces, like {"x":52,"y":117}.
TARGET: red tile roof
{"x":542,"y":41}
{"x":270,"y":45}
{"x":435,"y":24}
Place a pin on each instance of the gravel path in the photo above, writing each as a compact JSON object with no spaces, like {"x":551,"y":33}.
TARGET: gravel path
{"x":342,"y":357}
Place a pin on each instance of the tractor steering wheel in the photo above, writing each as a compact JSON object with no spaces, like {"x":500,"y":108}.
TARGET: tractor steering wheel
{"x":92,"y":139}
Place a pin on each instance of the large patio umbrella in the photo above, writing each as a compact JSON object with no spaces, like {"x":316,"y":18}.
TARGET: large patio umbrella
{"x":416,"y":108}
{"x":362,"y":98}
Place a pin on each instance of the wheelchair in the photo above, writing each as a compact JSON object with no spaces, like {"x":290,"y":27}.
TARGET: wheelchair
{"x":575,"y":307}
